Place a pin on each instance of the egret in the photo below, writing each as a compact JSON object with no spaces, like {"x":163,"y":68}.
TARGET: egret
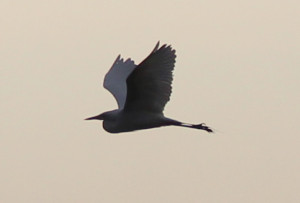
{"x":141,"y":92}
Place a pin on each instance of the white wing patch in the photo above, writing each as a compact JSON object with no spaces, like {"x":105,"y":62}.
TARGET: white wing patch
{"x":115,"y":79}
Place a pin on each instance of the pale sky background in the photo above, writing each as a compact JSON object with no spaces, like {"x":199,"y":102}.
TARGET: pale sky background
{"x":237,"y":70}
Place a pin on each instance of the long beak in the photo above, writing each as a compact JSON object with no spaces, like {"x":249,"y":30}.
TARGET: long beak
{"x":92,"y":118}
{"x":99,"y":117}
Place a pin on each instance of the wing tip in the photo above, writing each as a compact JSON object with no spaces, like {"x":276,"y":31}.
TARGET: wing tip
{"x":119,"y":59}
{"x":156,"y":47}
{"x":164,"y":46}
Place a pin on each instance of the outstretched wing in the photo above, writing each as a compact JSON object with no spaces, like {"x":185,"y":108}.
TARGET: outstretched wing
{"x":149,"y":85}
{"x":115,"y":79}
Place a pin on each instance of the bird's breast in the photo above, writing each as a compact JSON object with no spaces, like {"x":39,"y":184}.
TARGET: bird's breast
{"x":111,"y":126}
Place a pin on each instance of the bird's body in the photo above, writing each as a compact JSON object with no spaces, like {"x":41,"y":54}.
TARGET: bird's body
{"x":117,"y":121}
{"x":141,"y":92}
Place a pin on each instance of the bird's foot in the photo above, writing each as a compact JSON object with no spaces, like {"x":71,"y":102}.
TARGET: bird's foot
{"x":202,"y":126}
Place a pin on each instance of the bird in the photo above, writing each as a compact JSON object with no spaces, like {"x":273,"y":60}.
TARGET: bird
{"x":141,"y":92}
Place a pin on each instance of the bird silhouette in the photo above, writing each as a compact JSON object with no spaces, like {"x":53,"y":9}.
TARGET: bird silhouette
{"x":141,"y":92}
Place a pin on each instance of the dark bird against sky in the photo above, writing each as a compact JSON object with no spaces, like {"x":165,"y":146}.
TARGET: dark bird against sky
{"x":142,"y":92}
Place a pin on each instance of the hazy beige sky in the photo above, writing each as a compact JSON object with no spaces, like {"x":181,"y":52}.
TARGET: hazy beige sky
{"x":237,"y":70}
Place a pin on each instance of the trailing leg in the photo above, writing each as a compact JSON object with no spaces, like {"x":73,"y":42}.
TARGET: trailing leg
{"x":201,"y":126}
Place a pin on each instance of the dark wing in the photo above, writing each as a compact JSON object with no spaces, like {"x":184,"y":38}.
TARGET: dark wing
{"x":149,"y":85}
{"x":115,"y":79}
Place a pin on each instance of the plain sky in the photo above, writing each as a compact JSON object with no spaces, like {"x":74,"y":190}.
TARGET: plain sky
{"x":237,"y":70}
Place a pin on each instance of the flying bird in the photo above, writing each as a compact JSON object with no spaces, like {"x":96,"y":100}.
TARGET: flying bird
{"x":141,"y":92}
